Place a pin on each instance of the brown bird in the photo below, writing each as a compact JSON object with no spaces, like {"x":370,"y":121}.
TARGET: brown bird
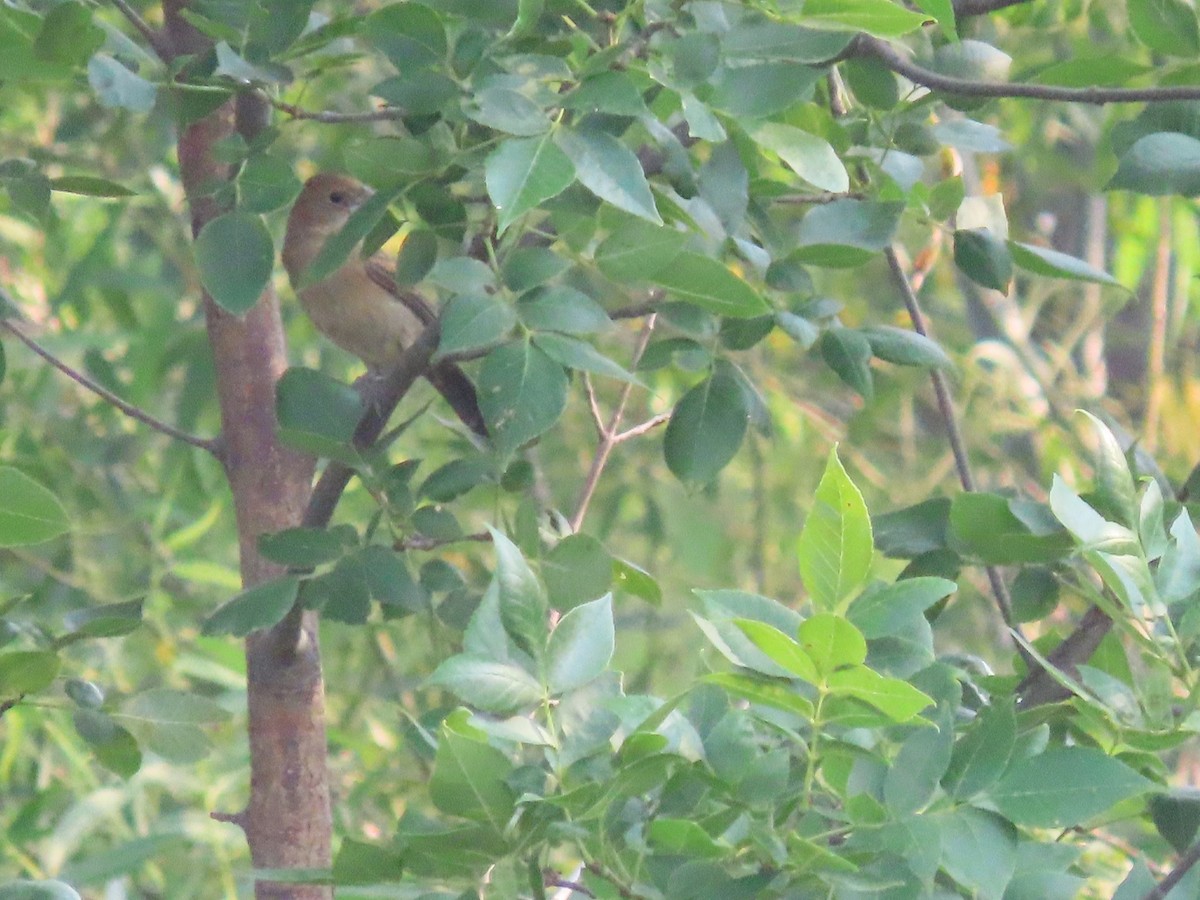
{"x":359,"y":307}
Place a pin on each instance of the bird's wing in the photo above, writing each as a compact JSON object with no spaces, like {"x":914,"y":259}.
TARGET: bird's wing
{"x":381,"y":275}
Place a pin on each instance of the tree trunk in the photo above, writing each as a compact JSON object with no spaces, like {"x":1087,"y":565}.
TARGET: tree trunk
{"x":287,"y":821}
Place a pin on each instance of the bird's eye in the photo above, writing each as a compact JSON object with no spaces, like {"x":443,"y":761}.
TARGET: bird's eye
{"x":337,"y":197}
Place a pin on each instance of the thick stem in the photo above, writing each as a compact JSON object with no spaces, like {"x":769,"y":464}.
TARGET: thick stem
{"x":287,"y":820}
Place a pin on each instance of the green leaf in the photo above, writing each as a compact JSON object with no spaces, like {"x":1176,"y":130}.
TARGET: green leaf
{"x":897,"y":699}
{"x":470,"y":778}
{"x":913,"y":776}
{"x":831,"y":642}
{"x":1166,"y":26}
{"x":235,"y":257}
{"x":420,"y":92}
{"x":878,"y":613}
{"x":905,"y":348}
{"x":90,"y":186}
{"x":522,"y":393}
{"x":456,"y":477}
{"x":581,"y":646}
{"x":874,"y":85}
{"x":521,"y":174}
{"x":811,"y":157}
{"x":1176,"y":816}
{"x":67,"y":35}
{"x":29,"y":514}
{"x":1178,"y":574}
{"x":108,"y":620}
{"x":507,"y":110}
{"x":754,"y":38}
{"x":608,"y":92}
{"x":1065,"y":787}
{"x":638,"y":250}
{"x":988,"y":527}
{"x":27,"y":672}
{"x":496,"y":687}
{"x":1086,"y":525}
{"x":470,"y":321}
{"x":416,"y":258}
{"x":118,"y":87}
{"x":846,"y":233}
{"x":759,"y":90}
{"x":389,"y":582}
{"x":577,"y":570}
{"x":1160,"y":164}
{"x":523,"y":605}
{"x":563,"y":308}
{"x":358,"y":862}
{"x":576,"y":354}
{"x":167,"y":722}
{"x":259,"y":607}
{"x":22,"y":889}
{"x":721,"y":608}
{"x":943,"y":12}
{"x":983,"y":258}
{"x":706,"y":428}
{"x":979,"y":851}
{"x":1044,"y":261}
{"x":882,"y":18}
{"x":317,"y":411}
{"x":1087,"y":71}
{"x":266,"y":183}
{"x":1115,"y":493}
{"x":682,"y":837}
{"x":610,"y":170}
{"x":307,"y":546}
{"x":708,"y":284}
{"x":981,"y":757}
{"x":525,"y":268}
{"x":636,"y":581}
{"x":781,"y":649}
{"x":835,"y":547}
{"x":411,"y":35}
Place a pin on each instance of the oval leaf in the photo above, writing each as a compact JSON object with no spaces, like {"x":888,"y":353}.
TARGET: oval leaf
{"x":235,"y":257}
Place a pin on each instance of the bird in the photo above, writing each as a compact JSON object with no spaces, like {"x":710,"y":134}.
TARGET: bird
{"x":359,"y":306}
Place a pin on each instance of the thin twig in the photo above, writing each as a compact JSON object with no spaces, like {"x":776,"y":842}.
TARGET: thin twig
{"x":600,"y":872}
{"x":866,"y":45}
{"x":1186,"y":862}
{"x":639,"y":430}
{"x":211,"y":446}
{"x":609,"y":433}
{"x":156,"y":39}
{"x":593,"y":405}
{"x":819,"y":199}
{"x":945,"y":404}
{"x":387,"y":114}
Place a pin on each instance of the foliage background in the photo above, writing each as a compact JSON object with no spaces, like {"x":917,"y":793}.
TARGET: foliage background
{"x":112,"y":288}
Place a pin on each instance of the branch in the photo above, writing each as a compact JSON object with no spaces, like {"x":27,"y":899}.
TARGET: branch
{"x":211,"y":446}
{"x":865,"y":45}
{"x":381,"y":399}
{"x":157,"y":40}
{"x":953,"y":433}
{"x":609,"y":435}
{"x":388,"y":114}
{"x":1186,"y":862}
